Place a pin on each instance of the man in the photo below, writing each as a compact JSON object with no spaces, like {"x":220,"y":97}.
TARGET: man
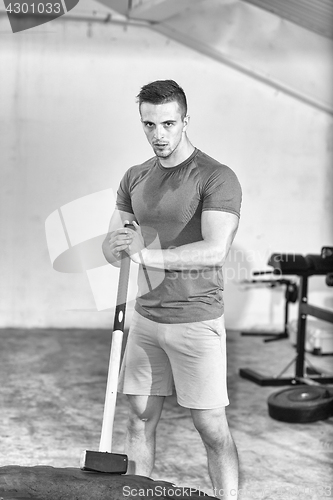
{"x":190,"y":204}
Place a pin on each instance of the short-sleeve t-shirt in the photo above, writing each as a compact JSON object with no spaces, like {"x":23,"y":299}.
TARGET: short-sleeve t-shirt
{"x":168,"y":203}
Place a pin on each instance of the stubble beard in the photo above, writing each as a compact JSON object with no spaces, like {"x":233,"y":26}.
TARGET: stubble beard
{"x":165,"y":153}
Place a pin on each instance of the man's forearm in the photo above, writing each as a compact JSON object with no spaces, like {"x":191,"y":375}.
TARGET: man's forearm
{"x":200,"y":254}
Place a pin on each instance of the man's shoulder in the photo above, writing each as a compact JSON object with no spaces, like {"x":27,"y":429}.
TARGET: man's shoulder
{"x":146,"y":164}
{"x":142,"y":167}
{"x":208,"y":165}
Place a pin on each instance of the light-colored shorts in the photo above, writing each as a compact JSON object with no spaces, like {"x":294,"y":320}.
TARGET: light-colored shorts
{"x":188,"y":356}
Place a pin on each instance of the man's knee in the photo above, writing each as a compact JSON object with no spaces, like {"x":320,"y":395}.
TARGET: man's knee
{"x":212,"y":426}
{"x":144,"y":413}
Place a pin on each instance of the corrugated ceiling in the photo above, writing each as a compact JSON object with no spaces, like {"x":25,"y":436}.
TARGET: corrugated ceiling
{"x":314,"y":15}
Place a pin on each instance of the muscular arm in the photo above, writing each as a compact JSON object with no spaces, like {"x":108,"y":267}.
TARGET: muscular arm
{"x":218,"y":231}
{"x":114,"y":242}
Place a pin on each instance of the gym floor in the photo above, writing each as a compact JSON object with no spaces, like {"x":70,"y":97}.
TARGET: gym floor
{"x":52,"y":393}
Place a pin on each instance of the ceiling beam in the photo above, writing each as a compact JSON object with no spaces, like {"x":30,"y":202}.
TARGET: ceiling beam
{"x":240,"y":66}
{"x":314,"y":15}
{"x":203,"y":48}
{"x":120,"y":6}
{"x":157,"y":10}
{"x":152,"y":11}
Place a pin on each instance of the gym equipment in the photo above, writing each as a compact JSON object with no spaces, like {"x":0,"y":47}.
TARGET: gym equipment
{"x":309,"y":402}
{"x":304,"y":267}
{"x":103,"y":460}
{"x":319,"y":336}
{"x":301,"y":404}
{"x":329,"y":279}
{"x":291,"y":295}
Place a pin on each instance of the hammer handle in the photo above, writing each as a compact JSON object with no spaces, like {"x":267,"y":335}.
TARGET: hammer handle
{"x":115,"y":356}
{"x":119,"y":317}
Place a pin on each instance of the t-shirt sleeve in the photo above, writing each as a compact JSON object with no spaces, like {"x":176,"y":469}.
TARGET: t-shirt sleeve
{"x":123,"y":201}
{"x":222,"y":191}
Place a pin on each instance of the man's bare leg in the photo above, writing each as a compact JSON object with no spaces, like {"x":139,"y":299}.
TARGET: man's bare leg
{"x":222,"y":455}
{"x":144,"y":415}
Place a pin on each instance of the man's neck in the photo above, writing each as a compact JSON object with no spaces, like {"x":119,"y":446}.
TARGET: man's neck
{"x":178,"y":156}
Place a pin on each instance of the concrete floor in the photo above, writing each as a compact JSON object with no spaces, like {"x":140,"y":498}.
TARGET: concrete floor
{"x":52,"y":395}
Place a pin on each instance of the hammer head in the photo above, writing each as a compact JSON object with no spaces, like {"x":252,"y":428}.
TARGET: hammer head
{"x":99,"y":461}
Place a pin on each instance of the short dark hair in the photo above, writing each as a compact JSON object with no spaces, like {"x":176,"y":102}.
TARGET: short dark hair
{"x":162,"y":91}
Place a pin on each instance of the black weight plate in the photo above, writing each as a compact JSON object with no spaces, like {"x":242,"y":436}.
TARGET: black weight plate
{"x":301,"y":404}
{"x":305,"y":393}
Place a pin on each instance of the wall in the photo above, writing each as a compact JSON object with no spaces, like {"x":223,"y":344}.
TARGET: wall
{"x":70,"y":128}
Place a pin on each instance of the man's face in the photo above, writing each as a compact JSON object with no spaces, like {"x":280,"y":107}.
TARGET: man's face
{"x":163,"y":126}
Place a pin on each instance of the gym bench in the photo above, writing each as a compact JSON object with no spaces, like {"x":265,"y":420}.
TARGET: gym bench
{"x":304,"y":267}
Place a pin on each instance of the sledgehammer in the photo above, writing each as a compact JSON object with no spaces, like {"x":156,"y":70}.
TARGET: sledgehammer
{"x":103,"y":460}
